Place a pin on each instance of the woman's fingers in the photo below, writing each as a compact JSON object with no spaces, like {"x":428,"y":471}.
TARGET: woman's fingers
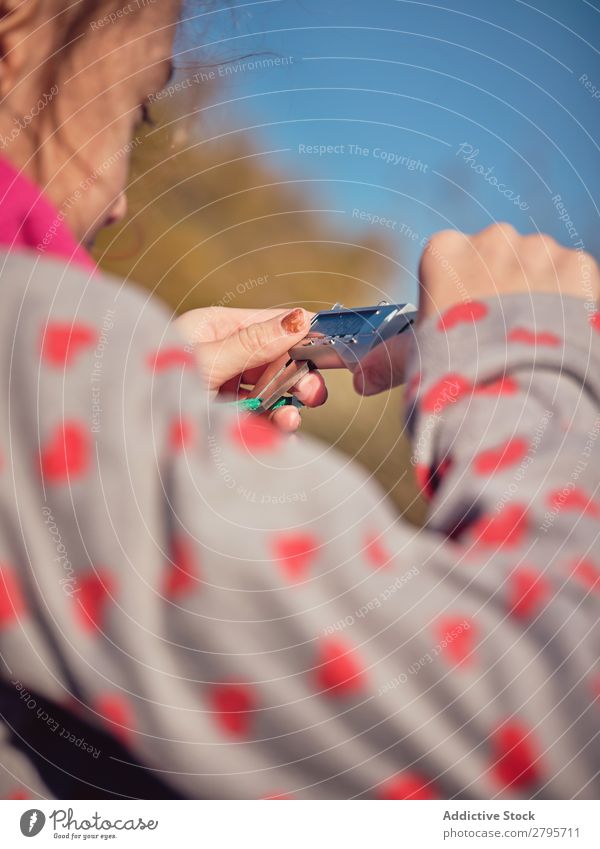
{"x":287,"y":419}
{"x":234,"y":348}
{"x":250,"y":346}
{"x":383,"y":367}
{"x":456,"y":268}
{"x":209,"y":324}
{"x":311,"y":389}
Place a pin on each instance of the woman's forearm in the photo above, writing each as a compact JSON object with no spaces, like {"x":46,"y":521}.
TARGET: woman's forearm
{"x":251,"y":617}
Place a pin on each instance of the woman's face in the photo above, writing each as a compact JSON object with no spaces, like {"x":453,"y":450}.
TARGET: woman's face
{"x":81,"y":140}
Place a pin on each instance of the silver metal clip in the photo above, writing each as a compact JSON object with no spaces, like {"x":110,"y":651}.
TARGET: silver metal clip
{"x":338,"y":338}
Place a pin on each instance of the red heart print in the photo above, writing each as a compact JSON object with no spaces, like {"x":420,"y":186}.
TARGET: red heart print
{"x":12,"y":602}
{"x":462,"y":314}
{"x":339,"y":671}
{"x":181,"y":433}
{"x":92,"y":596}
{"x":528,"y":591}
{"x":255,"y":434}
{"x":514,"y":760}
{"x":504,"y":529}
{"x":233,"y":706}
{"x":62,"y":341}
{"x":446,"y":391}
{"x":507,"y":454}
{"x":574,"y":499}
{"x":424,"y":479}
{"x":295,"y":553}
{"x":529,"y":337}
{"x":457,"y":637}
{"x":117,"y":714}
{"x":377,"y":554}
{"x":181,"y":576}
{"x":278,"y":797}
{"x":407,"y":785}
{"x":66,"y":455}
{"x":169,"y":357}
{"x":587,"y":573}
{"x":19,"y":793}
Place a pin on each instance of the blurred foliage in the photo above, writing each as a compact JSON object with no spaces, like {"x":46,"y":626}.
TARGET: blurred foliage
{"x":211,"y":223}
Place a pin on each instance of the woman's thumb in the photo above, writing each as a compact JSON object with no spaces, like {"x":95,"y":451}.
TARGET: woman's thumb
{"x":253,"y":345}
{"x":383,"y":367}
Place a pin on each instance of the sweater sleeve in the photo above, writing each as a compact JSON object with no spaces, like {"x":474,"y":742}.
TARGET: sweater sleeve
{"x":251,"y":618}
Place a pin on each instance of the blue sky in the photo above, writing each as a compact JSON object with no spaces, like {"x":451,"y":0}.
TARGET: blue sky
{"x":516,"y":84}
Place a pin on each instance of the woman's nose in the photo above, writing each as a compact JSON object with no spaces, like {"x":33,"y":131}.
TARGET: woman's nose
{"x":118,"y":210}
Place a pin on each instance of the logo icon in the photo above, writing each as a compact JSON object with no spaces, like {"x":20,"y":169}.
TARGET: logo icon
{"x":32,"y":822}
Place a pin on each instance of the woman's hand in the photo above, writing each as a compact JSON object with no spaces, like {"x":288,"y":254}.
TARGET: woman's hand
{"x":456,"y":268}
{"x":234,"y":347}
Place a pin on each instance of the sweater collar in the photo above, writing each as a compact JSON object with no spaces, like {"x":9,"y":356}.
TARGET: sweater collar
{"x":29,"y":221}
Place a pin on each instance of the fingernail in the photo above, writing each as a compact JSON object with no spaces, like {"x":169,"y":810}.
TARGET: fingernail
{"x":294,"y":321}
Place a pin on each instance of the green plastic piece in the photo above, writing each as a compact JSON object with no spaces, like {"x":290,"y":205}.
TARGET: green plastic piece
{"x":252,"y":404}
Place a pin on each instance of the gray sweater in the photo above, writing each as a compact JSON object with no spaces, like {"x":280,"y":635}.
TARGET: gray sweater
{"x":249,"y":616}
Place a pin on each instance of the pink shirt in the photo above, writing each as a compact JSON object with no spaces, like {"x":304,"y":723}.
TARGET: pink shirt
{"x":29,"y":221}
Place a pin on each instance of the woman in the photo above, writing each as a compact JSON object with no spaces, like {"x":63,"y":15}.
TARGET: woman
{"x":189,"y":599}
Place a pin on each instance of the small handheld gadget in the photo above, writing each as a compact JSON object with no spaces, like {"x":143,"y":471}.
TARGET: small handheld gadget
{"x":338,"y":338}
